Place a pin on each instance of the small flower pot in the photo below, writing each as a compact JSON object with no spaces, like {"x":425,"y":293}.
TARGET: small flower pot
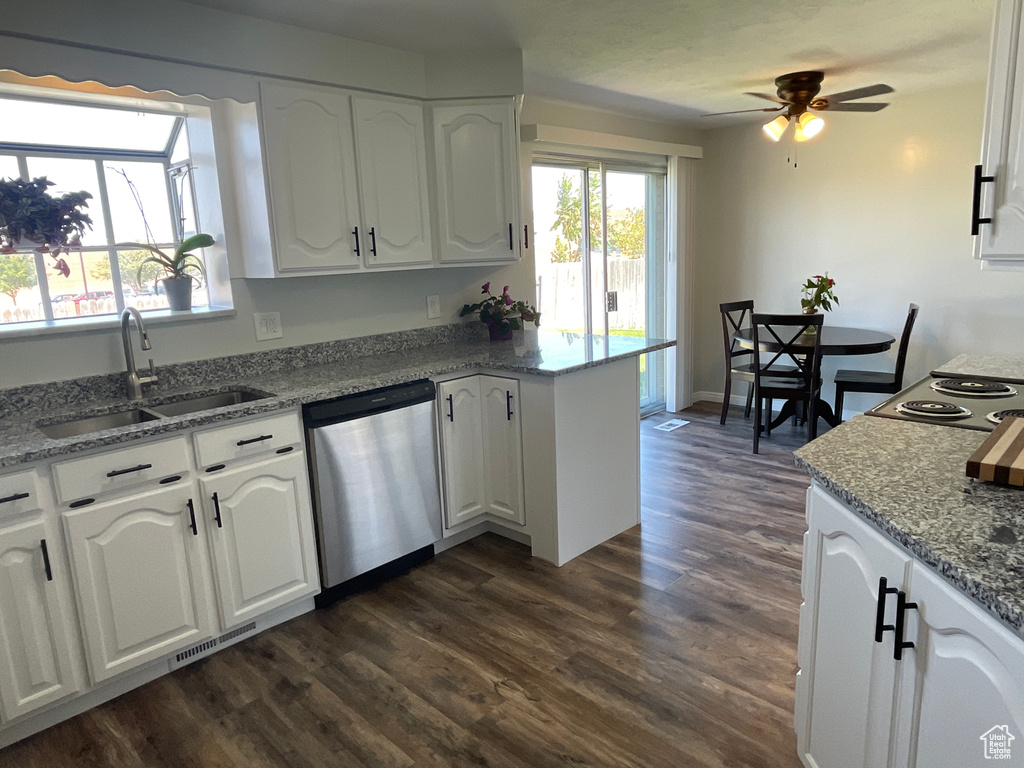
{"x":499,"y":331}
{"x":810,"y":310}
{"x":179,"y":293}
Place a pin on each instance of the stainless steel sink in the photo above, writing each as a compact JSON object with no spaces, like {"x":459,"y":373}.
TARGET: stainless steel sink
{"x":206,"y":402}
{"x":84,"y":426}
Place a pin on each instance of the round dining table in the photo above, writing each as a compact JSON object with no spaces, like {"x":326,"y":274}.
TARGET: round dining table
{"x":835,"y":340}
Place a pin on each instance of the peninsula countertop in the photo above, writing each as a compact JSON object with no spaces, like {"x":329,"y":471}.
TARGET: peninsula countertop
{"x":908,"y":479}
{"x":293,"y":377}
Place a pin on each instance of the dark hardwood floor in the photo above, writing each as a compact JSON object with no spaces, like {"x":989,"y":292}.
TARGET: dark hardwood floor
{"x":673,"y":644}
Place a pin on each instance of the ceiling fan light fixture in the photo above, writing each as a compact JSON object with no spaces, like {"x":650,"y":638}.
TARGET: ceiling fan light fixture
{"x":775,"y":128}
{"x":808,"y":126}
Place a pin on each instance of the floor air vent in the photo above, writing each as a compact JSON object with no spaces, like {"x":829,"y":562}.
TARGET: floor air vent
{"x":244,"y":630}
{"x":187,"y":656}
{"x":190,"y":654}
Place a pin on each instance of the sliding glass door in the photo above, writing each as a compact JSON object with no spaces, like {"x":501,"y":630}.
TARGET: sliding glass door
{"x":600,"y":255}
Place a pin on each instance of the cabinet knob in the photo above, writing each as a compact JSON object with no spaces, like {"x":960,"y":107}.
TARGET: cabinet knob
{"x":451,"y":409}
{"x":508,"y":405}
{"x":355,"y":232}
{"x":373,"y":241}
{"x":216,"y":510}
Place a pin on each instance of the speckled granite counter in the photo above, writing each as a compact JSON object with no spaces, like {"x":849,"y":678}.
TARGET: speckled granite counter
{"x":294,"y":376}
{"x":989,"y":366}
{"x":908,"y":480}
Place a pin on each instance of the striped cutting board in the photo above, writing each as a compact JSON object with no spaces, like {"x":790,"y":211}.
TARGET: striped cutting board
{"x":1001,"y":457}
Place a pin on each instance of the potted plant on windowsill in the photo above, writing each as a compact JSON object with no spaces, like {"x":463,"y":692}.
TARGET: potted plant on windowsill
{"x":180,"y":269}
{"x":29,"y":213}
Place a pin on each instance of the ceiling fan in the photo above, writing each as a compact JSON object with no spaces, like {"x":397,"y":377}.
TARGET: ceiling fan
{"x":798,"y":95}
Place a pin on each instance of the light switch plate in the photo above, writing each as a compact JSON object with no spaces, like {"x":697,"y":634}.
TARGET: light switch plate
{"x":268,"y":325}
{"x":433,"y":307}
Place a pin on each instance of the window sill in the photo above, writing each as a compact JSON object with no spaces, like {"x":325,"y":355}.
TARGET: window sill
{"x":105,"y":322}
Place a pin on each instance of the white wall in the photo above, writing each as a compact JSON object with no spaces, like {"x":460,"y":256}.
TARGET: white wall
{"x":883,"y":203}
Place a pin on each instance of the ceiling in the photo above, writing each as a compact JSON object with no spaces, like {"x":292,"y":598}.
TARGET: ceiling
{"x":672,"y":60}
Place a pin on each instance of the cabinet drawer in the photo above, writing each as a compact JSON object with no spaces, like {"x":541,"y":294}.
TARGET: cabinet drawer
{"x":19,"y":494}
{"x":123,"y":468}
{"x":247,"y":438}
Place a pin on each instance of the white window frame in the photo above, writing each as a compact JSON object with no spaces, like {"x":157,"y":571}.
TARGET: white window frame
{"x":198,"y":121}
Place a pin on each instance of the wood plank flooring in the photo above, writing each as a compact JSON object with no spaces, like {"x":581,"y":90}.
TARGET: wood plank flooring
{"x":673,"y":644}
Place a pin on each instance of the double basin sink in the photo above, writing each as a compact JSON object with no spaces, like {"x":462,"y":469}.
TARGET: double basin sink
{"x":85,"y":425}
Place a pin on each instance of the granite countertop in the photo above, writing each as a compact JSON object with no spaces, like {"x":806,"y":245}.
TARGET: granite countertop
{"x":908,"y":479}
{"x":292,"y":377}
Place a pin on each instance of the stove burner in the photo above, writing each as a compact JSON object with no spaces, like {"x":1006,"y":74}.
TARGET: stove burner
{"x":973,"y":388}
{"x":933,"y":409}
{"x":996,"y":417}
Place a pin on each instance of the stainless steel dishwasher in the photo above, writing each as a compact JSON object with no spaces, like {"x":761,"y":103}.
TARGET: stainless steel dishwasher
{"x":373,"y":462}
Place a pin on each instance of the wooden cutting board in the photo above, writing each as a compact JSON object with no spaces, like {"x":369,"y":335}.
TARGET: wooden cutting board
{"x":1000,"y":458}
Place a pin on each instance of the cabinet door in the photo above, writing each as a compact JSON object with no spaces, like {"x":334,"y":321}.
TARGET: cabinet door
{"x":261,"y":532}
{"x":503,"y":448}
{"x":969,"y":672}
{"x":391,"y":156}
{"x":35,"y":655}
{"x":309,"y":151}
{"x":1002,"y":154}
{"x":140,"y":579}
{"x":477,"y":182}
{"x":844,"y":704}
{"x":462,"y":450}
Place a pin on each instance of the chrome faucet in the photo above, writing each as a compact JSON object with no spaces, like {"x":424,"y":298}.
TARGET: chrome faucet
{"x":134,"y":381}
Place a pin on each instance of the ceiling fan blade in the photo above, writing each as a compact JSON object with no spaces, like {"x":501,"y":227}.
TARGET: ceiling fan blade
{"x":864,"y":106}
{"x":859,"y":93}
{"x":776,"y":99}
{"x":739,"y":111}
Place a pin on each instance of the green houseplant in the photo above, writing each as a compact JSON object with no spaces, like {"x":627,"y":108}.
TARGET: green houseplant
{"x":180,"y":269}
{"x":818,"y":293}
{"x":29,"y":213}
{"x":502,"y":314}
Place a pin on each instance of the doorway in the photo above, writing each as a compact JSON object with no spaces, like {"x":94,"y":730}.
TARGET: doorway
{"x":599,"y":232}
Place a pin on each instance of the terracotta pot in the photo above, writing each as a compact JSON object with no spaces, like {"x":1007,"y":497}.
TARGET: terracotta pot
{"x":179,"y":293}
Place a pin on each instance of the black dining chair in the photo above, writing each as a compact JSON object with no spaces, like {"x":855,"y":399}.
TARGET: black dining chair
{"x":734,"y":317}
{"x":788,"y":339}
{"x":876,"y":382}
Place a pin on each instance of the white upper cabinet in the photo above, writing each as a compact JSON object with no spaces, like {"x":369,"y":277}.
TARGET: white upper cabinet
{"x":391,"y":157}
{"x":310,"y":159}
{"x":1002,"y":154}
{"x":477,"y":166}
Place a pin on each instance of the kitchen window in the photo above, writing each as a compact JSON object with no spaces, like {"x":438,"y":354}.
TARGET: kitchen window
{"x":136,"y":160}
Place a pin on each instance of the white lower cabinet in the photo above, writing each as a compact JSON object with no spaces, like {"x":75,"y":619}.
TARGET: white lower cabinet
{"x":481,"y":449}
{"x":139,"y":567}
{"x":957,"y":686}
{"x":260,"y":525}
{"x":35,"y":643}
{"x":503,"y":448}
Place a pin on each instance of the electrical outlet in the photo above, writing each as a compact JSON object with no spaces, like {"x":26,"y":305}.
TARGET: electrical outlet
{"x":433,"y":307}
{"x":268,"y":325}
